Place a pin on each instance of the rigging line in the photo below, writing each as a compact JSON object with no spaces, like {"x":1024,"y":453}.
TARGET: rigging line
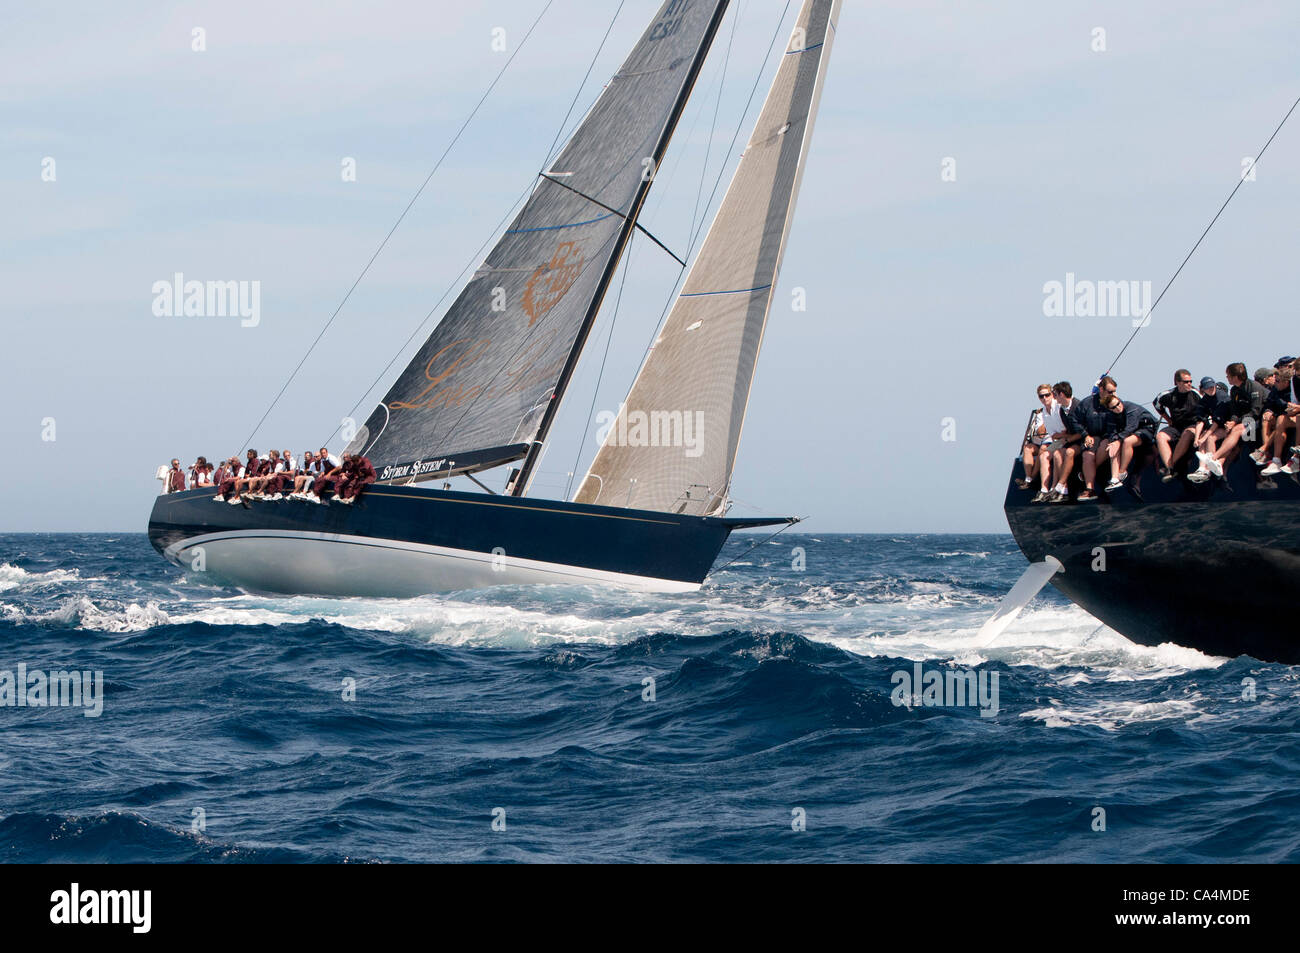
{"x":522,"y":344}
{"x":767,"y":539}
{"x":752,"y":93}
{"x":1240,"y":182}
{"x":717,"y":105}
{"x":665,"y":185}
{"x":455,"y":283}
{"x":595,"y":394}
{"x":672,"y":294}
{"x":409,"y":205}
{"x":550,"y":153}
{"x":493,"y":234}
{"x":637,"y":225}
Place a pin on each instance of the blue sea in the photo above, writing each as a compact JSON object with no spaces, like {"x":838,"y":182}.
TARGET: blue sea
{"x":756,"y":720}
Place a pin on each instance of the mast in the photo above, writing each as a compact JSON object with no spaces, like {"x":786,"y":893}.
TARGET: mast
{"x":520,"y":480}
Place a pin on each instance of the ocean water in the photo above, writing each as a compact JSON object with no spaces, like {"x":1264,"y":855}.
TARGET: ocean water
{"x":243,"y":728}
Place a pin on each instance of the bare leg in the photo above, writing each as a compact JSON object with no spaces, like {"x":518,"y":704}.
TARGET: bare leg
{"x":1162,"y":447}
{"x":1231,"y":437}
{"x":1126,"y":454}
{"x":1184,"y":444}
{"x":1089,"y":468}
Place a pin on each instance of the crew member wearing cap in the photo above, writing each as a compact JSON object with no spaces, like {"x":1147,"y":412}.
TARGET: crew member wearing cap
{"x":1285,"y":404}
{"x":1241,"y":419}
{"x":1214,"y":412}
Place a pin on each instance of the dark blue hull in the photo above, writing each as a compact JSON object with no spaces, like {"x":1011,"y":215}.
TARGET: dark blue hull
{"x":407,"y":540}
{"x":1214,"y":566}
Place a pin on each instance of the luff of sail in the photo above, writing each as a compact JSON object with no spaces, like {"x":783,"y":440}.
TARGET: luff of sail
{"x":476,"y":391}
{"x":673,"y":443}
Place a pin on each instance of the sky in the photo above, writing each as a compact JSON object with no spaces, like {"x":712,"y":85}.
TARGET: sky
{"x":894,"y":403}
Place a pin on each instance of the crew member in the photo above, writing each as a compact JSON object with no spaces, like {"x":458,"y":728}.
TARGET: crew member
{"x":1092,"y":418}
{"x":1181,"y":410}
{"x":331,"y":479}
{"x":175,"y":482}
{"x":359,"y":473}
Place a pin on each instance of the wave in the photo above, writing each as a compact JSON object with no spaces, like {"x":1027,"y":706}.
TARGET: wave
{"x":15,"y":577}
{"x":125,"y":837}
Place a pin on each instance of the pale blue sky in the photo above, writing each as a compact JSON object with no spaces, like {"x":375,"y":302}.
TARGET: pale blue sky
{"x":924,"y":297}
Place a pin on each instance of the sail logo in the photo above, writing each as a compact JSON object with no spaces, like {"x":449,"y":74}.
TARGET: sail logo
{"x":671,"y":21}
{"x":208,"y":299}
{"x":418,"y":468}
{"x":1074,"y":298}
{"x":552,"y":281}
{"x":61,"y":689}
{"x":953,"y":688}
{"x":655,"y":428}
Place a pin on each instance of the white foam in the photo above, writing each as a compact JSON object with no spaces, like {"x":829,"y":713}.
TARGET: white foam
{"x":82,"y":612}
{"x":15,"y":577}
{"x":1113,"y":714}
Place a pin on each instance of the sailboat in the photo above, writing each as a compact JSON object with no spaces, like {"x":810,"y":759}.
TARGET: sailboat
{"x":484,"y":390}
{"x":1212,"y":565}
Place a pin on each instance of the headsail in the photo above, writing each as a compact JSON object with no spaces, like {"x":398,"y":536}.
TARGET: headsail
{"x":674,"y":442}
{"x":477,"y":392}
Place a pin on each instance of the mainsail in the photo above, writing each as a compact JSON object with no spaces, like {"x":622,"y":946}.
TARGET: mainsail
{"x":479,"y":391}
{"x":673,"y":443}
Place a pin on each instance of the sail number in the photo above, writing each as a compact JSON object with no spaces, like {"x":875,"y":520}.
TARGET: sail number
{"x":671,"y":21}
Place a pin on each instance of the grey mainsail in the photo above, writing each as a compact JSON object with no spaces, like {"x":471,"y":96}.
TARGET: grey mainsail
{"x":673,"y":443}
{"x":479,"y":391}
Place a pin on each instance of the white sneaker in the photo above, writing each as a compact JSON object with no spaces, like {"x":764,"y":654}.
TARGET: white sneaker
{"x":1200,"y":476}
{"x":347,"y":501}
{"x":278,"y":496}
{"x":1259,"y":458}
{"x":218,"y":499}
{"x":1272,"y":468}
{"x":1216,"y":466}
{"x":1114,"y":484}
{"x":235,"y":501}
{"x":1293,"y":466}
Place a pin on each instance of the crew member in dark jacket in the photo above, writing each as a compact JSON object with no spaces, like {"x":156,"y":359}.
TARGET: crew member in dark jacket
{"x":1091,"y":418}
{"x":1182,"y":412}
{"x":1238,"y":421}
{"x":1285,"y":404}
{"x":1128,"y":427}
